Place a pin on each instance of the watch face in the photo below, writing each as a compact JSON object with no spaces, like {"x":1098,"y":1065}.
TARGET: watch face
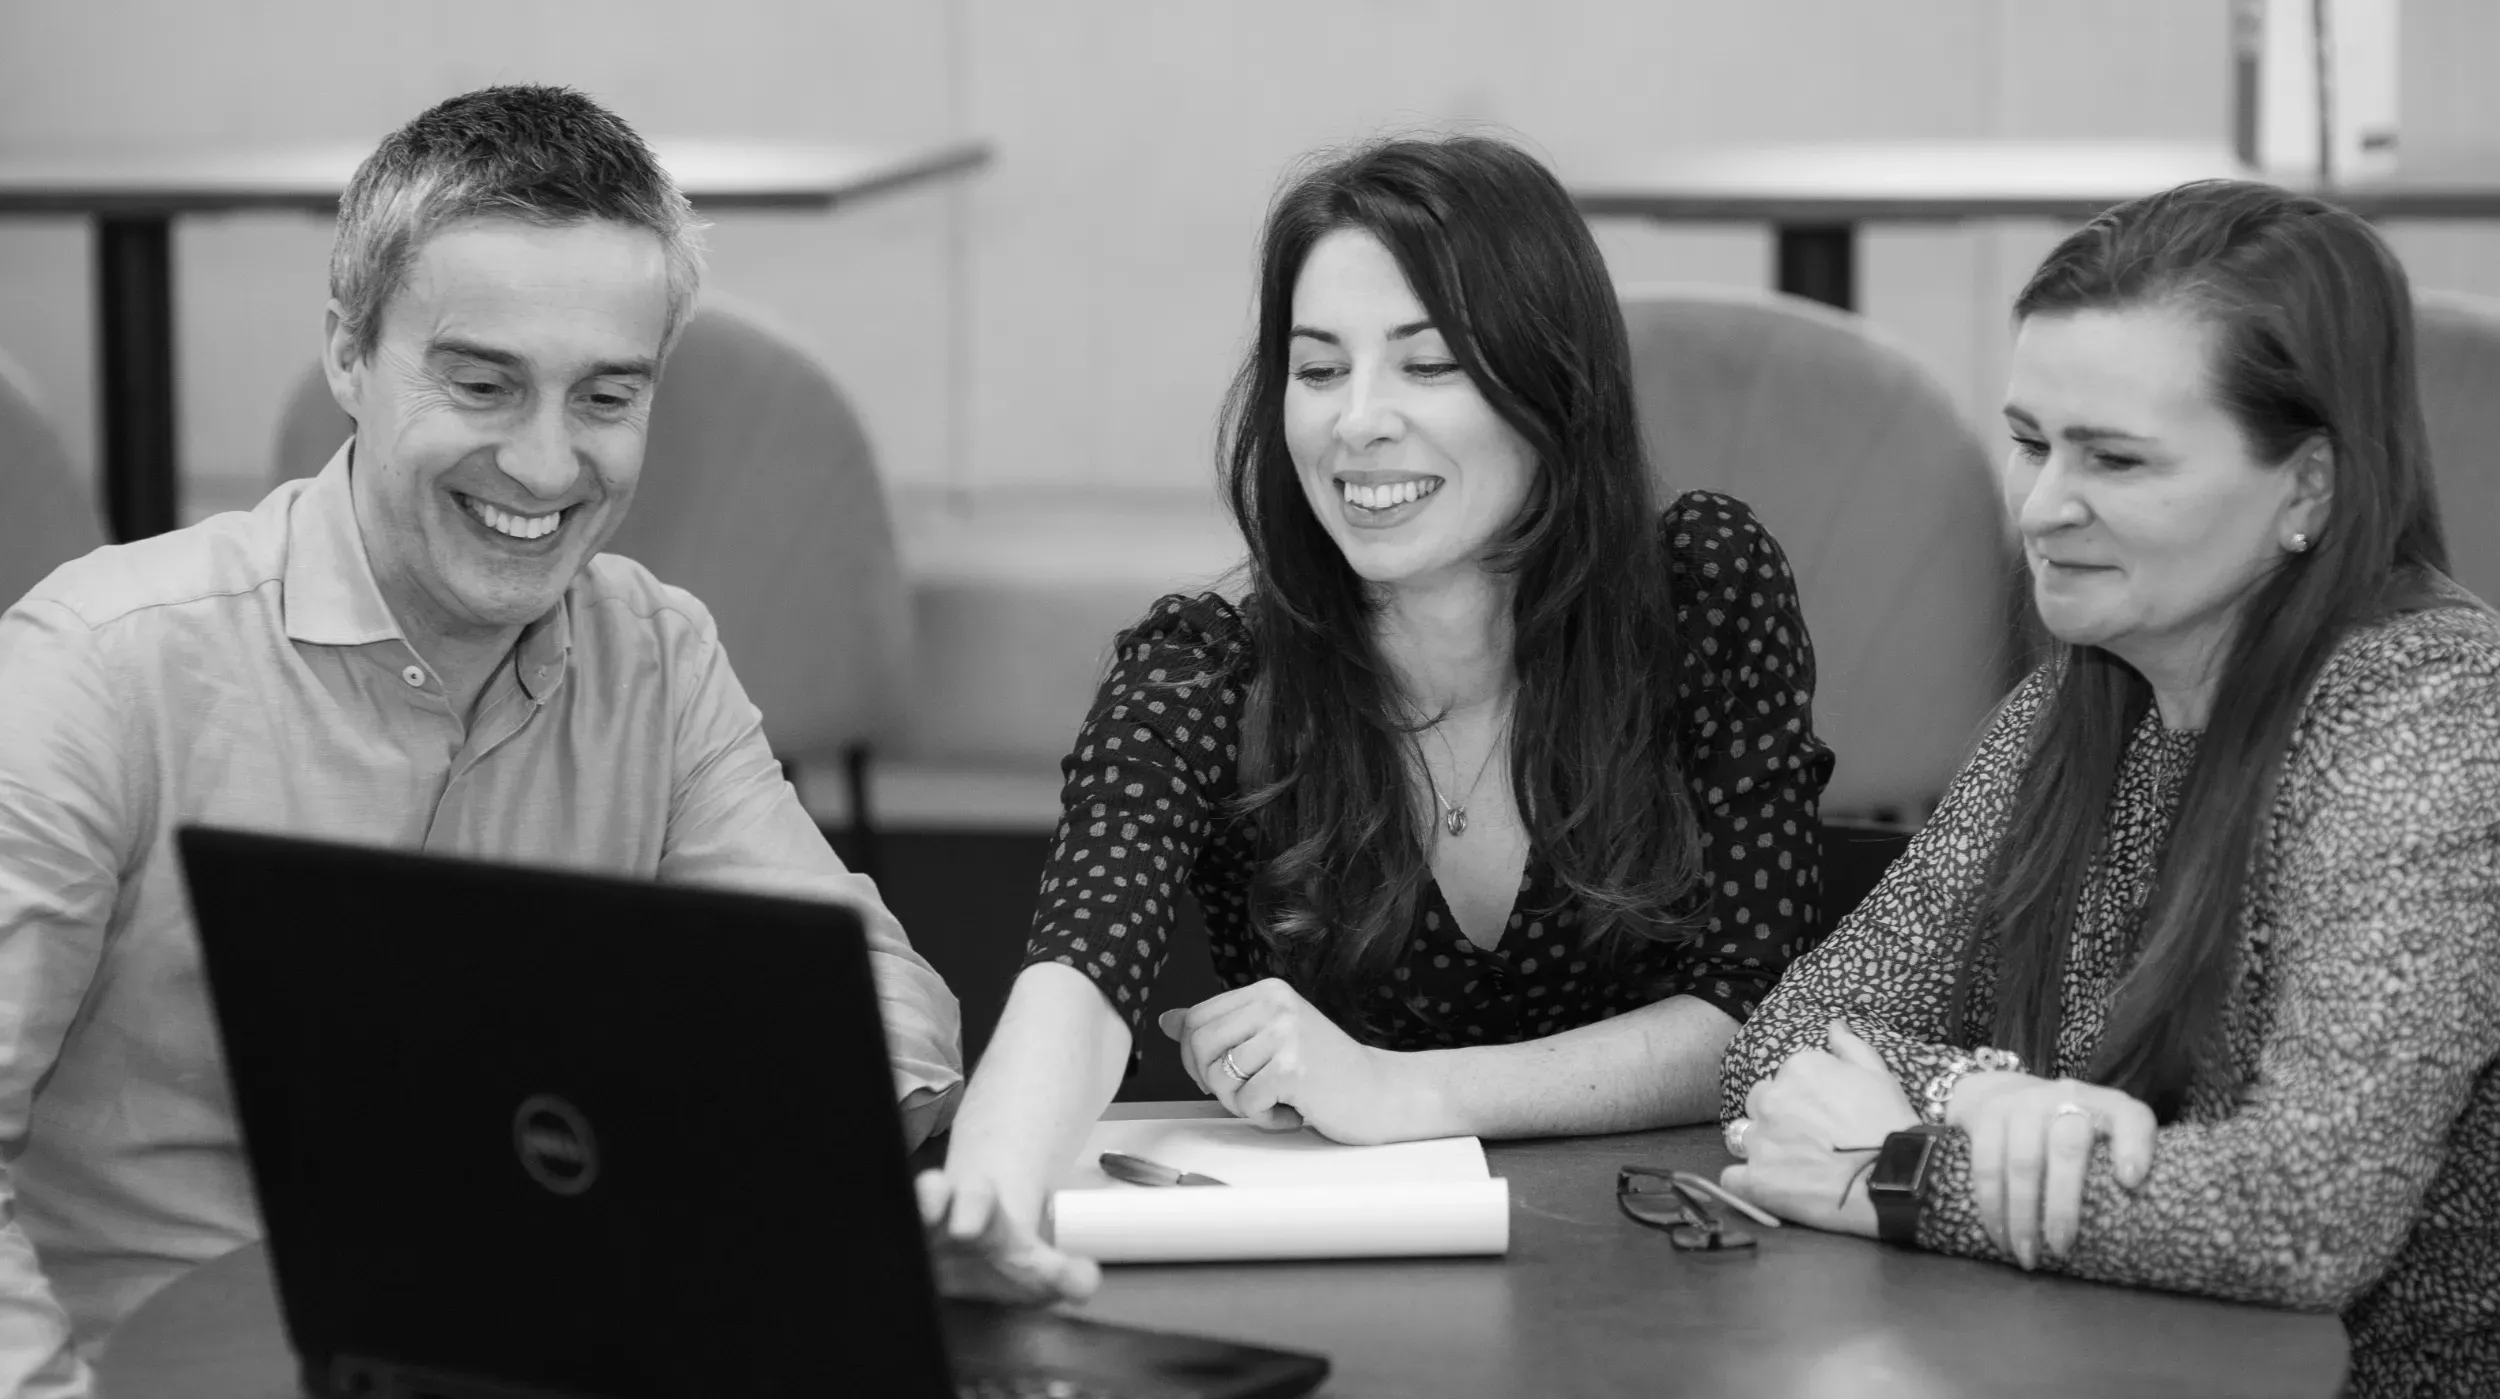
{"x":1901,"y":1167}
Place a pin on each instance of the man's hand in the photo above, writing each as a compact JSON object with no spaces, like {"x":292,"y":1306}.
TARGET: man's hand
{"x":982,"y":1247}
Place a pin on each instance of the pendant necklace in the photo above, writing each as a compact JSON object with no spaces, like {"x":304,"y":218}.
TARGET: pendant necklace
{"x":1454,"y":814}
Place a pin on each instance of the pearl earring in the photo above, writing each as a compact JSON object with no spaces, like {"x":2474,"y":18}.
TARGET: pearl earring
{"x":2299,"y":544}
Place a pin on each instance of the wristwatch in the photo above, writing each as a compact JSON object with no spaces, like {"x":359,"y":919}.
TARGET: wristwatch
{"x":1897,"y":1184}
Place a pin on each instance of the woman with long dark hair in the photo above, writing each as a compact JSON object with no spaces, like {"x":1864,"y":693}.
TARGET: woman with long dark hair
{"x":1498,"y":787}
{"x":2193,"y":981}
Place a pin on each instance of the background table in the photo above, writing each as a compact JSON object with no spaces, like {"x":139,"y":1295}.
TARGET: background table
{"x":134,"y":199}
{"x":1815,"y":196}
{"x":1586,"y":1303}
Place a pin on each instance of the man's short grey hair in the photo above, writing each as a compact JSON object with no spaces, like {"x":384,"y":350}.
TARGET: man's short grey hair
{"x":543,"y":155}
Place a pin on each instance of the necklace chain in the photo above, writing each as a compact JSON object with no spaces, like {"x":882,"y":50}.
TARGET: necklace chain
{"x":1454,"y":814}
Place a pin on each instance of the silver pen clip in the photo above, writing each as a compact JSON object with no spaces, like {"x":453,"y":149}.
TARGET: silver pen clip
{"x":1137,"y":1170}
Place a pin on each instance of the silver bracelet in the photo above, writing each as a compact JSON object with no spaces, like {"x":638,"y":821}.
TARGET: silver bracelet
{"x":1939,"y":1091}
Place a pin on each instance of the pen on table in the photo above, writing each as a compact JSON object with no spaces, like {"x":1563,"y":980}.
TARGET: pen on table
{"x":1714,"y":1190}
{"x":1137,"y":1170}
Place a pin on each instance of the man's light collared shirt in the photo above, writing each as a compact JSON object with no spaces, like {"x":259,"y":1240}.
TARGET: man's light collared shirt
{"x":246,"y":672}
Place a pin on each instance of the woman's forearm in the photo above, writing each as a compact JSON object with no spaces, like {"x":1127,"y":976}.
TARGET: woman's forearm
{"x":1653,"y":1067}
{"x":1049,"y":1070}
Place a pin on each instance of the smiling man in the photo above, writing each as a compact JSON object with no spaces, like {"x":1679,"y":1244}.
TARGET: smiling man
{"x":422,"y":647}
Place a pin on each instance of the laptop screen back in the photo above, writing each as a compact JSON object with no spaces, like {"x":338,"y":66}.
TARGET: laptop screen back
{"x":571,"y":1132}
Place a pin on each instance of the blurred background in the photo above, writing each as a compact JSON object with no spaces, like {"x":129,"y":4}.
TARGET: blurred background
{"x":1066,"y":319}
{"x":1036,"y":349}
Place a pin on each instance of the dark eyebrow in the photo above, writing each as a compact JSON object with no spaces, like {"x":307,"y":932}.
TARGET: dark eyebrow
{"x":2082,"y":432}
{"x":470,"y":349}
{"x":1304,"y":332}
{"x":505,"y":359}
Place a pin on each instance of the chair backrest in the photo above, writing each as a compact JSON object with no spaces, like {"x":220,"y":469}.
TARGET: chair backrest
{"x":2457,"y":353}
{"x":47,"y":516}
{"x":760,"y":496}
{"x":1858,"y":462}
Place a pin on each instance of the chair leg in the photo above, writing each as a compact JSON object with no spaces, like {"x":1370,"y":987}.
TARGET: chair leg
{"x":864,"y":841}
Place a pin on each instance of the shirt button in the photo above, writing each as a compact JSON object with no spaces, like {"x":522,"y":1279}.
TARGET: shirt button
{"x":414,"y":675}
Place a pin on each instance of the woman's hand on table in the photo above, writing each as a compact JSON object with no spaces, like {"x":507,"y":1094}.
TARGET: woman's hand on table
{"x":2031,"y":1148}
{"x":1275,"y":1059}
{"x":983,"y":1246}
{"x":1813,"y":1129}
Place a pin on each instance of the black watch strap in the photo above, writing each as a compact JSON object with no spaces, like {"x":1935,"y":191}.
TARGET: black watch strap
{"x":1896,"y":1184}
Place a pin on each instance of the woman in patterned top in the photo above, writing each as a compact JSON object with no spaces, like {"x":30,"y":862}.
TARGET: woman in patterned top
{"x":2198,"y":965}
{"x":1498,"y":790}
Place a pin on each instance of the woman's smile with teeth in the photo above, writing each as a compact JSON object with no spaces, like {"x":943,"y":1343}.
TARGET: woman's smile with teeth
{"x":504,"y":522}
{"x":1389,"y":496}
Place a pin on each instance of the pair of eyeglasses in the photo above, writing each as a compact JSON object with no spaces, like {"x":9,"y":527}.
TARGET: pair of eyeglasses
{"x":1680,"y":1203}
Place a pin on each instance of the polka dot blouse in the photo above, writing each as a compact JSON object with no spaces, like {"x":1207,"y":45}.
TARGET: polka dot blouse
{"x":2342,"y":1149}
{"x":1149,"y":791}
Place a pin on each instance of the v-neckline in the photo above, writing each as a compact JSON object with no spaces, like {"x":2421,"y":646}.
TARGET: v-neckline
{"x":1440,"y":904}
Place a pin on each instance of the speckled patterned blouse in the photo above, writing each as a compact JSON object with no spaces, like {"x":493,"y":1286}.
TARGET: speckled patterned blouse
{"x":2344,"y":1151}
{"x":1149,"y":790}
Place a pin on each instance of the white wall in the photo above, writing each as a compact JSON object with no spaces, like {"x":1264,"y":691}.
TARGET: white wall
{"x":2449,"y":101}
{"x":1086,"y":334}
{"x":866,"y":287}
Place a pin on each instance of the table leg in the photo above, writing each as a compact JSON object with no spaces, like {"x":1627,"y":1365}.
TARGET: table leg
{"x":1820,"y":262}
{"x":134,"y":281}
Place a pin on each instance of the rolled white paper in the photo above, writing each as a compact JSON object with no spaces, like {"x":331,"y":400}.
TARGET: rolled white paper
{"x":1237,"y":1153}
{"x":1211,"y":1223}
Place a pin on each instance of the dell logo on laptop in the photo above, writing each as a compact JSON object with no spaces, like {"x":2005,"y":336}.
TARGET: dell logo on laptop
{"x":555,"y":1145}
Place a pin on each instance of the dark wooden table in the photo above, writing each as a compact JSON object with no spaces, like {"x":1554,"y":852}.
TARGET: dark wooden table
{"x":1815,"y":196}
{"x":134,"y":198}
{"x":1587,"y":1303}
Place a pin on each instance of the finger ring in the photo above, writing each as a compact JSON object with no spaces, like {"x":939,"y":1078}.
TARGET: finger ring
{"x":1734,"y":1136}
{"x":1234,"y":1069}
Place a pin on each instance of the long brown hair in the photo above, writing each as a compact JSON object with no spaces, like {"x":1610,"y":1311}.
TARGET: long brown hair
{"x":1506,"y":268}
{"x":2315,"y":343}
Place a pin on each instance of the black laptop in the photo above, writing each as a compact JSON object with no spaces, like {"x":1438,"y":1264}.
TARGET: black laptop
{"x":520,"y":1134}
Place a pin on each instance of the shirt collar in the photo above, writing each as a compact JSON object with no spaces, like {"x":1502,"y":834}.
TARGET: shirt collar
{"x":331,"y":598}
{"x":545,"y":649}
